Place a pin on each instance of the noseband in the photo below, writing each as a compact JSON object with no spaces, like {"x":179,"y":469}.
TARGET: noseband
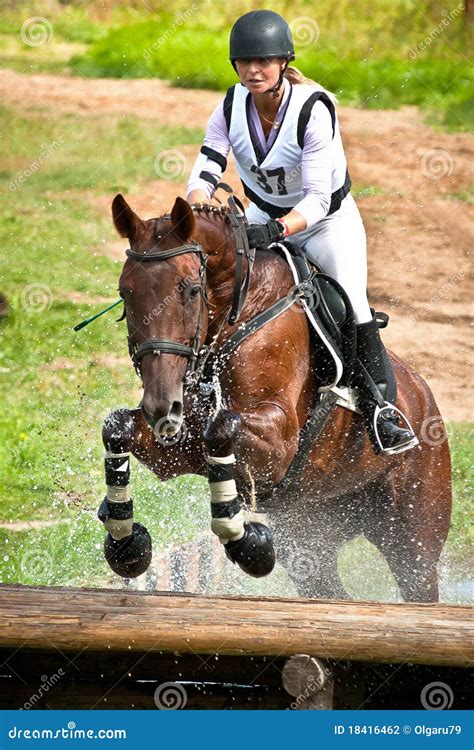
{"x":165,"y":346}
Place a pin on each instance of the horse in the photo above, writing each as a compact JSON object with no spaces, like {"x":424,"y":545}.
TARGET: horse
{"x":178,"y":285}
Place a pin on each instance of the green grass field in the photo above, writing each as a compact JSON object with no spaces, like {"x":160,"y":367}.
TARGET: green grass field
{"x":58,"y":385}
{"x":381,"y":56}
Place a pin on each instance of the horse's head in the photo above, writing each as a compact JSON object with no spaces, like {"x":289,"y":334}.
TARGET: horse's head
{"x":163,"y":286}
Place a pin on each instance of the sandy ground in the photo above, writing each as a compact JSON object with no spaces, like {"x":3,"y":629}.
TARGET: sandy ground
{"x":419,"y":237}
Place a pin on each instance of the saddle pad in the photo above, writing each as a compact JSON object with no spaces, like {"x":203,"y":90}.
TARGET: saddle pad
{"x":316,"y":324}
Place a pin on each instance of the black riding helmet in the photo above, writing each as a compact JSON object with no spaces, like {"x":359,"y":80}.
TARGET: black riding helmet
{"x":261,"y":33}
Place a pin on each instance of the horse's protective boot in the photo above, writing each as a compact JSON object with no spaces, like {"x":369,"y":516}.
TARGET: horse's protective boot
{"x":254,"y":552}
{"x":378,"y":397}
{"x":131,"y":556}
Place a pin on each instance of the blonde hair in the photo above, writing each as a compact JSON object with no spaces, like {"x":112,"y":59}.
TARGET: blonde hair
{"x":295,"y":76}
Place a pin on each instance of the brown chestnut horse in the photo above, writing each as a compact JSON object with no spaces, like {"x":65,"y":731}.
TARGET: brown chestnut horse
{"x":177,"y":284}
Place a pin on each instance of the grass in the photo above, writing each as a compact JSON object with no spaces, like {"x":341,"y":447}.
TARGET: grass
{"x":56,"y":394}
{"x":56,"y":391}
{"x":392,"y":54}
{"x":466,"y":196}
{"x":364,"y":191}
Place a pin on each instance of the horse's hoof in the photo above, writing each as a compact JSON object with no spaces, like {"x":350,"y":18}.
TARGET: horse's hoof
{"x":131,"y":556}
{"x":253,"y":553}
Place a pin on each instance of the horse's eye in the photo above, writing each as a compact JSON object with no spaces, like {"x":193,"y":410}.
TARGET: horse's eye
{"x":194,"y":292}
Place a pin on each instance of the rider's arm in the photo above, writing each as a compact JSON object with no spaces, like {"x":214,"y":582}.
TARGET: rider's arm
{"x":212,"y":159}
{"x":317,"y":165}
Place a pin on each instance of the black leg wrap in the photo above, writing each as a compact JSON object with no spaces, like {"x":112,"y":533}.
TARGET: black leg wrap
{"x":254,"y":552}
{"x":117,"y":470}
{"x":131,"y":556}
{"x":116,"y":511}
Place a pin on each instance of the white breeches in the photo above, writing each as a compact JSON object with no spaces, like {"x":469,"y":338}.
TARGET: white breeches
{"x":338,"y":245}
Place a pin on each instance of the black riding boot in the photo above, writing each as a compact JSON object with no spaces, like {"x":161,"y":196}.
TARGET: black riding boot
{"x":382,"y":420}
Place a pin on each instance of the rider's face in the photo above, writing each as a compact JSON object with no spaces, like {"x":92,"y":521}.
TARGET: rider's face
{"x":259,"y":73}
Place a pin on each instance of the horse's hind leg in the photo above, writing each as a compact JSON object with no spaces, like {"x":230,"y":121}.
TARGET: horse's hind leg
{"x":410,"y":526}
{"x":127,"y":546}
{"x":308,"y":539}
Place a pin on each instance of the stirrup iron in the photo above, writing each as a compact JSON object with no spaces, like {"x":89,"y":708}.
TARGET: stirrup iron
{"x":397,"y":449}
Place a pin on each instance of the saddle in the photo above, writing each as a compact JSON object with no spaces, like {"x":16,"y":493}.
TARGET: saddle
{"x":330,"y":314}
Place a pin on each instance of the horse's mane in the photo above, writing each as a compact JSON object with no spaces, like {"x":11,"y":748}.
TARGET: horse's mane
{"x":206,"y":208}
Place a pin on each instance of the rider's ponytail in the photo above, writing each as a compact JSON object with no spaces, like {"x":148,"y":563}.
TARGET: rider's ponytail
{"x":295,"y":76}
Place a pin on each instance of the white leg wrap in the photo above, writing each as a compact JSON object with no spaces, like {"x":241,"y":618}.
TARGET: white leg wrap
{"x":222,"y":492}
{"x":222,"y":460}
{"x":117,"y":494}
{"x":227,"y":529}
{"x":118,"y":529}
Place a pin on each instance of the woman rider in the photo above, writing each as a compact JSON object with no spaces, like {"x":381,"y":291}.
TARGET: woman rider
{"x":284,"y":133}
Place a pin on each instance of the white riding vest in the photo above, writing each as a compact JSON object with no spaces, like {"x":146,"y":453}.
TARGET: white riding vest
{"x":273,"y":181}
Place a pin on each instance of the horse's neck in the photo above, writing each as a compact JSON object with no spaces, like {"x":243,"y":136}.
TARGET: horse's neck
{"x":271,"y":279}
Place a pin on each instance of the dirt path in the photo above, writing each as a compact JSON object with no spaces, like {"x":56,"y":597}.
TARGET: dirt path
{"x":420,"y":238}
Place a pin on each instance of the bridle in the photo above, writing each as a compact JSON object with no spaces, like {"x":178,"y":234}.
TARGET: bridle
{"x":237,"y":219}
{"x":165,"y":346}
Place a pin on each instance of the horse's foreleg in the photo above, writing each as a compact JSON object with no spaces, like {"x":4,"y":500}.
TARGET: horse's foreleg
{"x":249,"y":544}
{"x":127,"y":546}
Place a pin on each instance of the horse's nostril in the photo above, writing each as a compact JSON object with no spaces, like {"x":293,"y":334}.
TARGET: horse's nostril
{"x":176,"y":410}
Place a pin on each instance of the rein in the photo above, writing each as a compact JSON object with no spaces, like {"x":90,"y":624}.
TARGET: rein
{"x":209,"y":354}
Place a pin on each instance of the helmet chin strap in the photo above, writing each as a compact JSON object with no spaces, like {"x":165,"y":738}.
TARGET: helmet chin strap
{"x":275,"y":89}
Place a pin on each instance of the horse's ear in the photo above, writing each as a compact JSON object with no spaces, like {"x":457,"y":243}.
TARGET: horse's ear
{"x":182,"y":219}
{"x":127,"y":223}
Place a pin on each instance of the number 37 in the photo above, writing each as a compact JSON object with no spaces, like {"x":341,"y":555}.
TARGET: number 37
{"x":274,"y":176}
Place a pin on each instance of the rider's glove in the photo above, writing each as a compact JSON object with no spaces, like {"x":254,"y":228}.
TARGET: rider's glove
{"x":262,"y":235}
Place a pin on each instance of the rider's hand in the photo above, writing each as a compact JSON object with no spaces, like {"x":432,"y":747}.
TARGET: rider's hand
{"x":262,"y":235}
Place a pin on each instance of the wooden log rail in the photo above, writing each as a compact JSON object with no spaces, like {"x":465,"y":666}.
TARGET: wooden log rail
{"x":74,"y":619}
